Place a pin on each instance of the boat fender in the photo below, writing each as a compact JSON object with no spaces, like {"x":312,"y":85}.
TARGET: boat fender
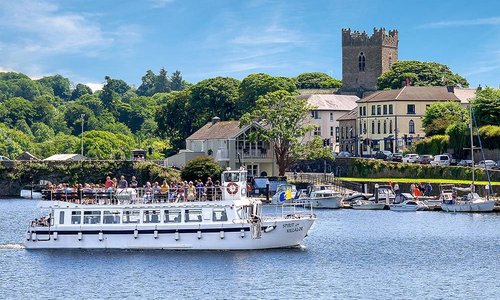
{"x":221,"y":234}
{"x":242,"y":233}
{"x":155,"y":234}
{"x":269,"y":229}
{"x":101,"y":236}
{"x":136,"y":233}
{"x":176,"y":235}
{"x":199,"y":234}
{"x":28,"y":235}
{"x":80,"y":236}
{"x":54,"y":235}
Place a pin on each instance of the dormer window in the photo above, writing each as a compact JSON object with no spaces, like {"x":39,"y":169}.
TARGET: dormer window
{"x":361,"y":62}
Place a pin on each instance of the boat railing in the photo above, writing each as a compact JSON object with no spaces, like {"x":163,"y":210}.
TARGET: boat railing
{"x":290,"y":211}
{"x":134,"y":195}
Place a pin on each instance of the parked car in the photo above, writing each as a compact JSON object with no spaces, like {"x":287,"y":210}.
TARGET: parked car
{"x":453,"y":160}
{"x":397,"y":157}
{"x":465,"y":163}
{"x":386,"y":155}
{"x":489,"y":164}
{"x":344,"y":154}
{"x":426,"y":159}
{"x":411,"y":158}
{"x":441,"y":160}
{"x":4,"y":157}
{"x":498,"y":165}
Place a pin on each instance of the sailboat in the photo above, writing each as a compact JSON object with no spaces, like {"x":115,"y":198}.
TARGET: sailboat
{"x":470,"y":201}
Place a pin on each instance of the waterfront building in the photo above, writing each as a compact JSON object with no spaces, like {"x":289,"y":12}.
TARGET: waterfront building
{"x":392,"y":119}
{"x":328,"y":109}
{"x":230,"y":146}
{"x":348,"y":132}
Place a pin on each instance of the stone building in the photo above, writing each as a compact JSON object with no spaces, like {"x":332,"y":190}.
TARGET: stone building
{"x":365,"y":57}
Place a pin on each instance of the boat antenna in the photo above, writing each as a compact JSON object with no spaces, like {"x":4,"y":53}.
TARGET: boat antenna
{"x":471,"y":141}
{"x":482,"y":154}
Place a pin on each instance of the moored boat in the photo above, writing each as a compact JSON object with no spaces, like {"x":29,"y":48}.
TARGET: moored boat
{"x":234,"y":223}
{"x":367,"y":205}
{"x":323,"y":196}
{"x":408,"y":204}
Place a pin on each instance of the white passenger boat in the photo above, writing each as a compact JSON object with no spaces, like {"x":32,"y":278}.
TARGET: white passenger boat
{"x":234,"y":223}
{"x":323,"y":196}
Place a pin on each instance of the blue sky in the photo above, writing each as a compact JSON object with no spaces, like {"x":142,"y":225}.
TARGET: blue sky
{"x":86,"y":40}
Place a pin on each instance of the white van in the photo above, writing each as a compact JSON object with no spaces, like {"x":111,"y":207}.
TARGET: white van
{"x":441,"y":160}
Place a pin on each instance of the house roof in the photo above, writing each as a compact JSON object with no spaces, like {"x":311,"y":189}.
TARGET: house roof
{"x":219,"y":130}
{"x":349,"y":116}
{"x":66,"y":157}
{"x":413,"y":93}
{"x":26,"y":156}
{"x":331,"y":101}
{"x":465,"y":95}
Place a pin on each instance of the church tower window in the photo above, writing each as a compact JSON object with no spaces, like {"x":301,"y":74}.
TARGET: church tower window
{"x":361,"y":62}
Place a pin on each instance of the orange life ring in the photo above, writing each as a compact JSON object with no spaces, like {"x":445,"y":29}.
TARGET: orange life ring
{"x":232,"y":188}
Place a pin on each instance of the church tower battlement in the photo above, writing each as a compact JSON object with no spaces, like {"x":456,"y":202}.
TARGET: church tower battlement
{"x":365,"y":57}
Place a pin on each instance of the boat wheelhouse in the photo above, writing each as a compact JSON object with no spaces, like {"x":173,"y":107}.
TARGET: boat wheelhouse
{"x":133,"y":222}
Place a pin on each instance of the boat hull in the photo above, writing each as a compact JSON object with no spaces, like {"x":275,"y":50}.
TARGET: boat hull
{"x":483,"y":206}
{"x":28,"y":194}
{"x":369,"y":206}
{"x":275,"y":234}
{"x":326,"y":202}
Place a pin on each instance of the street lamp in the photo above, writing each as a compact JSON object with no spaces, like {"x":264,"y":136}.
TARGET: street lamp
{"x":9,"y":149}
{"x":82,"y":115}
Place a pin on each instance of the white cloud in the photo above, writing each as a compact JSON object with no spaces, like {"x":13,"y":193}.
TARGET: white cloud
{"x":94,"y":86}
{"x":6,"y":69}
{"x":271,"y":35}
{"x":460,"y":23}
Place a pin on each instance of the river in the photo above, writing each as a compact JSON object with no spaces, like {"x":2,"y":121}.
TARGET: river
{"x":348,"y":254}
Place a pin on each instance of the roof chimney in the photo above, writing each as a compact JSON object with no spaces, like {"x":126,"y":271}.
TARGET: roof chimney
{"x":215,"y":120}
{"x":450,"y":88}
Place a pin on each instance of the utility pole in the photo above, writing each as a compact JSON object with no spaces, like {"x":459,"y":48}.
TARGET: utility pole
{"x":82,"y":115}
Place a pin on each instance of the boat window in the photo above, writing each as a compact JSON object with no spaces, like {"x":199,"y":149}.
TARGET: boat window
{"x":172,"y":216}
{"x":92,"y":217}
{"x":111,"y":217}
{"x":131,"y":216}
{"x":76,"y":217}
{"x":231,"y":177}
{"x":193,"y":215}
{"x":151,"y":216}
{"x":219,"y":215}
{"x":61,"y":217}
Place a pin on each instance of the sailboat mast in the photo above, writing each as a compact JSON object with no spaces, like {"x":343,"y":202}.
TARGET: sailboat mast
{"x":471,"y":141}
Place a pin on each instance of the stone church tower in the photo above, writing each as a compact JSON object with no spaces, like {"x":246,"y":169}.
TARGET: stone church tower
{"x":365,"y":58}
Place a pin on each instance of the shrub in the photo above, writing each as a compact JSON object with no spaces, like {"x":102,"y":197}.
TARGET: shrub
{"x":201,"y":168}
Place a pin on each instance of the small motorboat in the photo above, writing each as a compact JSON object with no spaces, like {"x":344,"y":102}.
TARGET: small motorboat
{"x":407,"y":203}
{"x":367,"y":205}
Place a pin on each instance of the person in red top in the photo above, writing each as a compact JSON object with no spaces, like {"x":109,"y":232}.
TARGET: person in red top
{"x":109,"y":183}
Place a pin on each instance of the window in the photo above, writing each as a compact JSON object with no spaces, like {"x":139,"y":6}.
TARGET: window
{"x":411,"y":126}
{"x":390,"y":109}
{"x":411,"y":109}
{"x":111,"y":217}
{"x":361,"y":62}
{"x":317,"y":130}
{"x":331,"y":116}
{"x":193,"y":215}
{"x":219,"y":215}
{"x":385,"y":109}
{"x":390,"y":126}
{"x":378,"y":127}
{"x":379,"y":110}
{"x":61,"y":217}
{"x":331,"y":130}
{"x":385,"y":126}
{"x":172,"y":216}
{"x":364,"y":127}
{"x":351,"y":131}
{"x":364,"y":110}
{"x":131,"y":216}
{"x":360,"y":111}
{"x":92,"y":217}
{"x":373,"y":110}
{"x":151,"y":216}
{"x":76,"y":217}
{"x":373,"y":127}
{"x":315,"y":114}
{"x":337,"y":134}
{"x":360,"y":126}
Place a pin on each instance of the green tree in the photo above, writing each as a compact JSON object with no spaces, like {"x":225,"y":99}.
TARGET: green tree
{"x":42,"y":132}
{"x":60,"y":86}
{"x":176,"y":81}
{"x":440,"y":115}
{"x":459,"y":136}
{"x":420,"y":74}
{"x":73,"y":115}
{"x":61,"y":143}
{"x":107,"y":145}
{"x":148,"y":84}
{"x":18,"y":85}
{"x":15,"y":109}
{"x":317,"y":80}
{"x":256,"y":85}
{"x":214,"y":97}
{"x":283,"y":120}
{"x":112,"y":91}
{"x":313,"y":150}
{"x":175,"y":118}
{"x":486,"y":106}
{"x":162,"y":82}
{"x":201,"y":168}
{"x":80,"y":90}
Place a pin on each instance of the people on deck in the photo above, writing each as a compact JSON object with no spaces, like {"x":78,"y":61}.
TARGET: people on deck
{"x":133,"y":182}
{"x":122,"y":184}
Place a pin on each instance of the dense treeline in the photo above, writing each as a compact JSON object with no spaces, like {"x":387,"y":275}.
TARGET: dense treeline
{"x":45,"y":116}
